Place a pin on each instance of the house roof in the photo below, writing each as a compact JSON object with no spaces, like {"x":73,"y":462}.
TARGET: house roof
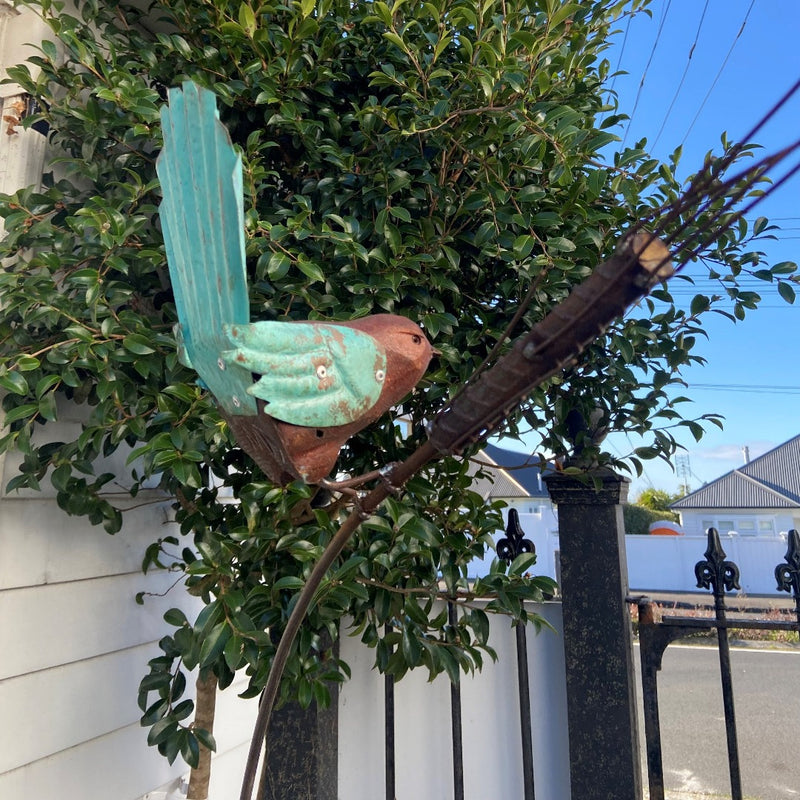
{"x":514,"y":475}
{"x":769,"y":481}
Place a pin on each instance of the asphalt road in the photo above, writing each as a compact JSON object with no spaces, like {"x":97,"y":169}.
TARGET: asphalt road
{"x":767,"y":699}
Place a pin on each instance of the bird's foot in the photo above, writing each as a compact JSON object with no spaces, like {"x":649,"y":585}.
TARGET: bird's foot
{"x":386,"y":474}
{"x":349,"y":485}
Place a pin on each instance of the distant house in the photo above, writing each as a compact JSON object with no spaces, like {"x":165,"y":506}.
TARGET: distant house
{"x":516,"y":479}
{"x":760,"y":498}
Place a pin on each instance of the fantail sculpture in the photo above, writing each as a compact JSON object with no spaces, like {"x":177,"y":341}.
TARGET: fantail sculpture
{"x":292,"y":392}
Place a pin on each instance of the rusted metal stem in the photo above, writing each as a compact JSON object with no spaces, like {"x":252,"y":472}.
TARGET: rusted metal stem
{"x":399,"y":475}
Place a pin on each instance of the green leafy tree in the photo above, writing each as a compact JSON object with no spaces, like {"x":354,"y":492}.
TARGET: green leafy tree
{"x":439,"y":160}
{"x":656,"y":499}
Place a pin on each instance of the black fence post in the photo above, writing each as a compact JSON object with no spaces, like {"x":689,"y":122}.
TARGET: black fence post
{"x":302,"y":760}
{"x":601,"y":691}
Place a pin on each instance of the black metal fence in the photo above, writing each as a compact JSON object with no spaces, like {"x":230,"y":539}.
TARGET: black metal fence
{"x":720,"y":576}
{"x":508,"y":548}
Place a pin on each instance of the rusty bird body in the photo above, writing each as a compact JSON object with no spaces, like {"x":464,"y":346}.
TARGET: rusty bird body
{"x":292,"y":392}
{"x":314,"y":449}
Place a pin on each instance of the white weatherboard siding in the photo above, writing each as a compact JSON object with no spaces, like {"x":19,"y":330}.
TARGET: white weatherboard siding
{"x":76,"y":645}
{"x":74,"y":651}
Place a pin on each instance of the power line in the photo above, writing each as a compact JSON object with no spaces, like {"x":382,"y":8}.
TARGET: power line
{"x":746,"y":387}
{"x":621,"y":53}
{"x":647,"y":67}
{"x":683,"y":77}
{"x":722,"y":67}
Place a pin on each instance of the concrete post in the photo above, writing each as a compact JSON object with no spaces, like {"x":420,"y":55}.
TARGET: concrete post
{"x":601,"y":693}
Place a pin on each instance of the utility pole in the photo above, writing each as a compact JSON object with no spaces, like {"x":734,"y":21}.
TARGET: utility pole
{"x":684,"y":469}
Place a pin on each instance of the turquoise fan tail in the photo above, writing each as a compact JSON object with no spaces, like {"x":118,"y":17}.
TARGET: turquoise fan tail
{"x":202,"y":216}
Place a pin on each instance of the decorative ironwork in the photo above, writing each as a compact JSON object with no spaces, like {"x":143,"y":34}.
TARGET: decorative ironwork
{"x":514,"y":542}
{"x":788,"y":575}
{"x":509,"y":547}
{"x":715,"y":572}
{"x":719,"y":575}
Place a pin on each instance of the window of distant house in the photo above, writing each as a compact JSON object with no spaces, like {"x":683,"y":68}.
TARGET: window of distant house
{"x":747,"y":526}
{"x":766,"y":526}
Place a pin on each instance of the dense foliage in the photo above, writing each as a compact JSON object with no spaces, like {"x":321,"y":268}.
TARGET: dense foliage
{"x":429,"y":159}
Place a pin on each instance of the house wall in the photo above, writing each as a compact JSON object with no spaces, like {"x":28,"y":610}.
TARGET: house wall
{"x":76,"y":645}
{"x":666,"y":563}
{"x":758,"y":521}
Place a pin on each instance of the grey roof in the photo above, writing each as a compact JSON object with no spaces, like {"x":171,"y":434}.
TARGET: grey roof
{"x":769,"y":481}
{"x":513,"y":475}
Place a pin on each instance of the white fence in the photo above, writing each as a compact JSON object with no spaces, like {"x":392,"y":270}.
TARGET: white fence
{"x":490,"y":717}
{"x":666,"y":563}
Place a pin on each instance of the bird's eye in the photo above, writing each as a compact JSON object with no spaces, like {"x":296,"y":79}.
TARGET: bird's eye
{"x":416,"y":338}
{"x":380,"y":375}
{"x":322,"y":372}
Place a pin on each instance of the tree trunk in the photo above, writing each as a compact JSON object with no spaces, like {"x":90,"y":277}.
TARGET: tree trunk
{"x":203,"y":718}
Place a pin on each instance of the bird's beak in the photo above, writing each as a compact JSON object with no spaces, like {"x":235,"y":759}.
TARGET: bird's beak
{"x":435,"y":352}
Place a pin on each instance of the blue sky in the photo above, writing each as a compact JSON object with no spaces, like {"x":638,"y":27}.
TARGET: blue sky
{"x":760,"y":351}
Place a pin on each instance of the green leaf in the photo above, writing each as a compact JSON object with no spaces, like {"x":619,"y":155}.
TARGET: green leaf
{"x":310,"y":270}
{"x":700,"y":303}
{"x":21,"y":412}
{"x":522,"y":563}
{"x":412,"y":652}
{"x":247,"y":19}
{"x":786,"y":291}
{"x":28,"y":363}
{"x":175,"y":617}
{"x":214,"y":643}
{"x":289,"y":582}
{"x":49,"y":49}
{"x":560,"y":243}
{"x":138,"y":344}
{"x":47,"y":406}
{"x":395,"y":40}
{"x":206,"y":739}
{"x":14,"y":382}
{"x":162,"y":729}
{"x":190,"y":749}
{"x":278,"y":265}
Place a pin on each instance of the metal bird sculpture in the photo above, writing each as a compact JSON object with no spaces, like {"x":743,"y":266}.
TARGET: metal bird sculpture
{"x":292,"y":392}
